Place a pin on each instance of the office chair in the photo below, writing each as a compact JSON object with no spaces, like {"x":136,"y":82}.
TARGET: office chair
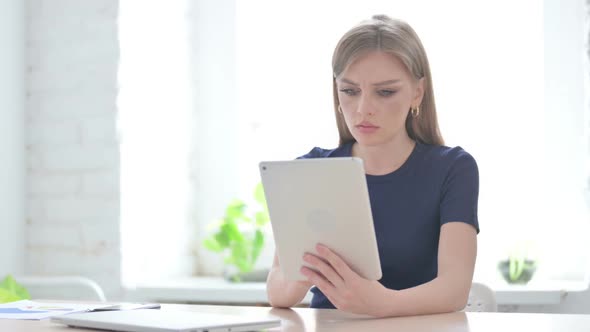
{"x":481,"y":298}
{"x":62,"y":288}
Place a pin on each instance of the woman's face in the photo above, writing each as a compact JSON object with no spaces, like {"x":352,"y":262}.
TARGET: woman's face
{"x":376,"y":92}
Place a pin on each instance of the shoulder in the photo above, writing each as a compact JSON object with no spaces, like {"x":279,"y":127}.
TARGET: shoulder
{"x":317,"y":152}
{"x":453,"y":168}
{"x":447,"y":157}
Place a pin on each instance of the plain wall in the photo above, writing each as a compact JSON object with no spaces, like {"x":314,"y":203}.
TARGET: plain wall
{"x":12,"y":151}
{"x":566,"y":42}
{"x":566,"y":36}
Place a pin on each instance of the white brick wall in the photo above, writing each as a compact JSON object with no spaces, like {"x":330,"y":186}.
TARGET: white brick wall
{"x":72,"y":146}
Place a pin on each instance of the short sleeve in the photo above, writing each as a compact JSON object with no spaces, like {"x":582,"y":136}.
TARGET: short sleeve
{"x":460,"y":191}
{"x":316,"y":152}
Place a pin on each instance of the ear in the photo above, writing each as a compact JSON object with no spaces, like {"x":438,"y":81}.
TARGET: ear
{"x":418,"y":92}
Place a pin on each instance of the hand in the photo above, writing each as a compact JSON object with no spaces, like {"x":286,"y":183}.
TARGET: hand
{"x":342,"y":286}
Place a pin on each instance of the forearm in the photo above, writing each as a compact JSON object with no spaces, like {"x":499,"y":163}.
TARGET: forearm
{"x":449,"y":291}
{"x":284,"y":293}
{"x":437,"y":296}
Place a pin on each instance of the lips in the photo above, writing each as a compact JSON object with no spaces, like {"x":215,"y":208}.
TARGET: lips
{"x":366,"y":128}
{"x":366,"y":125}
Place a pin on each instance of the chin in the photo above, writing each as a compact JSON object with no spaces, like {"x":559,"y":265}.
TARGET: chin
{"x":369,"y":141}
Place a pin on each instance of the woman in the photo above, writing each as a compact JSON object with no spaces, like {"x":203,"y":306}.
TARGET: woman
{"x":423,"y":194}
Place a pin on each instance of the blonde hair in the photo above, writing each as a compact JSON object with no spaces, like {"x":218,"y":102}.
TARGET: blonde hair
{"x":382,"y":33}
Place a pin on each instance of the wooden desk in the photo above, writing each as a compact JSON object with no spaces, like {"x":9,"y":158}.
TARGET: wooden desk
{"x":303,"y":319}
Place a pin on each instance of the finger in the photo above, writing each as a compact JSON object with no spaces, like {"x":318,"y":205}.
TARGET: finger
{"x":316,"y":278}
{"x":321,"y":283}
{"x":332,"y":298}
{"x":326,"y":270}
{"x":337,"y":263}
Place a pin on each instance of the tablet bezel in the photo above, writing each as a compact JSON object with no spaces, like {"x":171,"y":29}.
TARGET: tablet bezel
{"x":301,"y":193}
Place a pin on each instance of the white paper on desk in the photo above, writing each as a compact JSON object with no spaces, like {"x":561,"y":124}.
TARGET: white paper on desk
{"x":35,"y":310}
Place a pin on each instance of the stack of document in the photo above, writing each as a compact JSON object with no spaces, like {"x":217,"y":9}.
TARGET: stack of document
{"x":26,"y":309}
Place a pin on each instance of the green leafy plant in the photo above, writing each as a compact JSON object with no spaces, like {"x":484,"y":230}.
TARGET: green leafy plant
{"x":518,"y":268}
{"x":239,"y":235}
{"x":11,"y":291}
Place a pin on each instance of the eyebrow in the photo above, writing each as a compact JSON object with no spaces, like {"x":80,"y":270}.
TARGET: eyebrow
{"x":346,"y":80}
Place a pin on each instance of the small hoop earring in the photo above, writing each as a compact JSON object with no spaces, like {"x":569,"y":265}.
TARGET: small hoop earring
{"x":415,"y":111}
{"x":339,"y":109}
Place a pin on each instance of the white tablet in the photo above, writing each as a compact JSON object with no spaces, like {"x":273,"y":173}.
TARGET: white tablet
{"x":323,"y":200}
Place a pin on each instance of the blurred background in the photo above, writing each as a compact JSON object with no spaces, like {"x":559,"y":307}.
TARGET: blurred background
{"x":128,"y":128}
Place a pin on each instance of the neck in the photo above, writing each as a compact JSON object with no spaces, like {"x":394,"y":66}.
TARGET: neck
{"x":385,"y":158}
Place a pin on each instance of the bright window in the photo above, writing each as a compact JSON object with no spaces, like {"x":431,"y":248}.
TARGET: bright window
{"x":256,"y":85}
{"x":154,"y":103}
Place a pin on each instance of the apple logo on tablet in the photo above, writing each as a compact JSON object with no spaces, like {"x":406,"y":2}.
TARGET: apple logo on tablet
{"x":320,"y":220}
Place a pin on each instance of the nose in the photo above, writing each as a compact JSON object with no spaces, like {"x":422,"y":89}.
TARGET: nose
{"x":365,"y":106}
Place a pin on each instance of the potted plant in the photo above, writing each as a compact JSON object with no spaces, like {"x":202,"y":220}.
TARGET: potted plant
{"x":239,"y":236}
{"x":517,"y":269}
{"x":11,"y":291}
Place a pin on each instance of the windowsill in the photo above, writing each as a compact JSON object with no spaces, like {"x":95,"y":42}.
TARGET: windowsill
{"x":542,"y":293}
{"x":220,"y":291}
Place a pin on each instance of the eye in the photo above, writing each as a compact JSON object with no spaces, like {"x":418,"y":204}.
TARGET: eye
{"x":386,"y":93}
{"x":349,"y":92}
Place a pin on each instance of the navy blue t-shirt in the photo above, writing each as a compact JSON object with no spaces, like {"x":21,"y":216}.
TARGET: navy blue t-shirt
{"x":436,"y":185}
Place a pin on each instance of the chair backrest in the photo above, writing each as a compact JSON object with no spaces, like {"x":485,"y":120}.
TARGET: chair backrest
{"x":481,"y":298}
{"x":62,"y":288}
